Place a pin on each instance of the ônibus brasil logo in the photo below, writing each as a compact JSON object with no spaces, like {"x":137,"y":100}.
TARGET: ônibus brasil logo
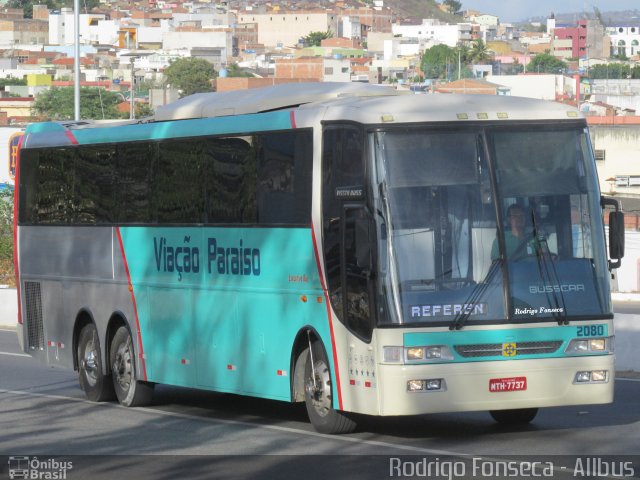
{"x":36,"y":469}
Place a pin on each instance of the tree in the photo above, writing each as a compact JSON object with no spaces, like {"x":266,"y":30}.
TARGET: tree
{"x":190,"y":75}
{"x":6,"y":236}
{"x":95,"y":103}
{"x":315,"y":38}
{"x":234,"y":70}
{"x":546,"y":63}
{"x":453,"y":6}
{"x":12,"y":81}
{"x":435,"y":60}
{"x":479,"y":52}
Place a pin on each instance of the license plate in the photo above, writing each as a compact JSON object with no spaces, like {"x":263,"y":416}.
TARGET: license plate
{"x":511,"y":384}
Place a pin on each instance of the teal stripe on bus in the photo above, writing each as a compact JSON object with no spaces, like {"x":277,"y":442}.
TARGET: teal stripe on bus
{"x":563,"y":334}
{"x":260,"y":122}
{"x":219,"y":308}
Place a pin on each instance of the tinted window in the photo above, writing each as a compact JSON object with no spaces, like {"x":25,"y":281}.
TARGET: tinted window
{"x":259,"y":179}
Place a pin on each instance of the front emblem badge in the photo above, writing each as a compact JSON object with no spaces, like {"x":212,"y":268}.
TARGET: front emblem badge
{"x":509,"y":349}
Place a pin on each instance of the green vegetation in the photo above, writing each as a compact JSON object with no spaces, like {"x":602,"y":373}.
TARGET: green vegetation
{"x":7,"y":276}
{"x":12,"y":81}
{"x":546,"y":63}
{"x":190,"y":75}
{"x":315,"y":38}
{"x":441,"y":61}
{"x":95,"y":104}
{"x":614,"y":71}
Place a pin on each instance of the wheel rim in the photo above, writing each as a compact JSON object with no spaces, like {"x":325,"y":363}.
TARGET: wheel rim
{"x":318,"y":389}
{"x":90,"y":362}
{"x":123,"y":366}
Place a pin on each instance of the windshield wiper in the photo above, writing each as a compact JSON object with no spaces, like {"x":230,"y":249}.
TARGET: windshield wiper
{"x":548,"y":274}
{"x":477,"y":293}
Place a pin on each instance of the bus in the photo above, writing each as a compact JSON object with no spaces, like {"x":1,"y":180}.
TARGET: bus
{"x":341,"y":245}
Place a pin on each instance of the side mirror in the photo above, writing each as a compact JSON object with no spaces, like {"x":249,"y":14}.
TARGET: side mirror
{"x":616,"y":232}
{"x":616,"y":238}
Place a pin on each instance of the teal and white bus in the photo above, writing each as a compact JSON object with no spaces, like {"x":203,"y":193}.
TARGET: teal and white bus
{"x":342,"y":245}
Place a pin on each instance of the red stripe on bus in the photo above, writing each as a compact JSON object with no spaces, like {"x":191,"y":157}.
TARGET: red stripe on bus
{"x":326,"y":297}
{"x":16,"y":182}
{"x":135,"y":307}
{"x":292,"y":116}
{"x":71,"y":137}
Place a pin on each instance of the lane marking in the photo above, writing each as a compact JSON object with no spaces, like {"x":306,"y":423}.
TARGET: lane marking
{"x":15,"y":354}
{"x":12,"y":330}
{"x":625,"y":379}
{"x":240,"y":423}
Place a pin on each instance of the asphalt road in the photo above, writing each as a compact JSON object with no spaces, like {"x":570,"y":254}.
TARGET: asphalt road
{"x":43,"y":413}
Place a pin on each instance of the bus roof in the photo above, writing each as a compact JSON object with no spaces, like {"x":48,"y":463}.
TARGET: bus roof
{"x":444,"y":108}
{"x":239,"y":102}
{"x":297,"y":105}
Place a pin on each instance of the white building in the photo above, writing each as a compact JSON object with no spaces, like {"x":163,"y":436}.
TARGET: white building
{"x":61,"y":27}
{"x":431,"y":32}
{"x":205,"y":38}
{"x":350,"y":27}
{"x":625,"y":40}
{"x":401,"y":47}
{"x":543,"y":86}
{"x":337,"y":70}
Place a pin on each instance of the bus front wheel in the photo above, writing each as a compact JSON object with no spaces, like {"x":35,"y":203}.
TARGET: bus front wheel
{"x":130,"y":391}
{"x":520,"y":416}
{"x":97,"y":386}
{"x":318,"y":395}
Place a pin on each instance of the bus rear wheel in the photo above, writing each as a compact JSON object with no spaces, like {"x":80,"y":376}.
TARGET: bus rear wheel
{"x":520,"y":416}
{"x":318,"y":395}
{"x":97,"y":386}
{"x":130,"y":391}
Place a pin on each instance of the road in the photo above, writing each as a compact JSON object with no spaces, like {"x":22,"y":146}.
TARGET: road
{"x":43,"y":413}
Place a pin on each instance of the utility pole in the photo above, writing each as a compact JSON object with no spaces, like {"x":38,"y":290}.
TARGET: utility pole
{"x":76,"y":61}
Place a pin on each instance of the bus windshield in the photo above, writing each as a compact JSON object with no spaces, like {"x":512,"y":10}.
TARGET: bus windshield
{"x":488,"y":224}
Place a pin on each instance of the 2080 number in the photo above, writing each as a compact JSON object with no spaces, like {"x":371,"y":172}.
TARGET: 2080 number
{"x":591,"y":331}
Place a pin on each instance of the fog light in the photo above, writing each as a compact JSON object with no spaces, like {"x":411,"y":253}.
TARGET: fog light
{"x":582,"y":377}
{"x":599,"y":376}
{"x":415,"y":353}
{"x":415,"y":385}
{"x":434,"y":384}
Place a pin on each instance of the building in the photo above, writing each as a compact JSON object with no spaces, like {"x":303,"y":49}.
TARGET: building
{"x":61,"y":27}
{"x":472,"y":86}
{"x":286,"y":29}
{"x":625,"y":40}
{"x":14,"y":32}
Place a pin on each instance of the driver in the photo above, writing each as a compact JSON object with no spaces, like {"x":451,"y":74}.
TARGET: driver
{"x":514,"y":239}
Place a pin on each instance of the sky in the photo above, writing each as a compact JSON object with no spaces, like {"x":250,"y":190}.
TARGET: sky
{"x":519,"y":10}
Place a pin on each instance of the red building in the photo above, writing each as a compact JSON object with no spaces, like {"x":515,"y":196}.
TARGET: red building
{"x":578,"y":37}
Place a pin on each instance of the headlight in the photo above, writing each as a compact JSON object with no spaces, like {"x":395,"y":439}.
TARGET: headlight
{"x":583,"y":346}
{"x":415,"y":353}
{"x":412,"y":355}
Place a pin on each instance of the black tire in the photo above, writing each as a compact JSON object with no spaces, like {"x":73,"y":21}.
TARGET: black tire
{"x":130,"y":392}
{"x":97,"y":386}
{"x":318,"y":396}
{"x":520,"y":416}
